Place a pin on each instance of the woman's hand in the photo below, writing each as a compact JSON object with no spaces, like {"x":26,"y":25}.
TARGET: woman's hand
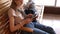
{"x":28,"y":18}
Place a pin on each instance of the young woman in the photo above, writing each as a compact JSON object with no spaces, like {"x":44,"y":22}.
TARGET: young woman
{"x":17,"y":20}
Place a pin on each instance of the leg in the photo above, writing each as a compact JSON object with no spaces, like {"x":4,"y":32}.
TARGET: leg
{"x":35,"y":30}
{"x":38,"y":31}
{"x":45,"y":28}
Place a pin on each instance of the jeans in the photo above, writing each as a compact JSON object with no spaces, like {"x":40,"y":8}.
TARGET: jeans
{"x":39,"y":29}
{"x":44,"y":28}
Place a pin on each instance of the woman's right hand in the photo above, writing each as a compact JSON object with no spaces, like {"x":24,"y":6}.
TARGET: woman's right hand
{"x":26,"y":20}
{"x":29,"y":19}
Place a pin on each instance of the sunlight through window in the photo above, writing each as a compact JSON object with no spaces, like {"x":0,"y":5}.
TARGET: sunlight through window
{"x":45,"y":2}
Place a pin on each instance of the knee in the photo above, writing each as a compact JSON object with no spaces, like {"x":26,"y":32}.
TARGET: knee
{"x":38,"y":31}
{"x":50,"y":28}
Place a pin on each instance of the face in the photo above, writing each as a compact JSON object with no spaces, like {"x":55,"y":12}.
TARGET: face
{"x":19,"y":2}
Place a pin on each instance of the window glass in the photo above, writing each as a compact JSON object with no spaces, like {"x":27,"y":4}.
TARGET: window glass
{"x":45,"y":2}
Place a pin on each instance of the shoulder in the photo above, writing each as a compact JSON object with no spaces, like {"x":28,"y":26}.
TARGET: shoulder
{"x":11,"y":12}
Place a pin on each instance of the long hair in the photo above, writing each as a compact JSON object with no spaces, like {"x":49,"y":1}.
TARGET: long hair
{"x":13,"y":5}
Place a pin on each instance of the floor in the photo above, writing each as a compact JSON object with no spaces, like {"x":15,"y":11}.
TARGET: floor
{"x":52,"y":21}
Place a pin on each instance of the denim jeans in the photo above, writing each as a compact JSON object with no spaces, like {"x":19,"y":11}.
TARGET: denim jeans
{"x":44,"y":28}
{"x":39,"y":29}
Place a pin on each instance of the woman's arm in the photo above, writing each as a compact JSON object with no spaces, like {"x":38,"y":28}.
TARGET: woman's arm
{"x":26,"y":21}
{"x":11,"y":21}
{"x":12,"y":26}
{"x":18,"y":26}
{"x":27,"y":29}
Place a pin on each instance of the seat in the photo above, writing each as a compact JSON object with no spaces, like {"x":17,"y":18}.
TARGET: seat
{"x":4,"y":6}
{"x":40,"y":11}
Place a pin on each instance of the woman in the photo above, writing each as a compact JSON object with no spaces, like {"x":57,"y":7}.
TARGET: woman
{"x":17,"y":19}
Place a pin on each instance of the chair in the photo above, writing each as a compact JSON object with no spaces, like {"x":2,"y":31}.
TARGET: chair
{"x":4,"y":6}
{"x":40,"y":11}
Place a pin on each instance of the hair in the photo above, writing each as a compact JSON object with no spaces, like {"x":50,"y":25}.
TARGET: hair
{"x":13,"y":5}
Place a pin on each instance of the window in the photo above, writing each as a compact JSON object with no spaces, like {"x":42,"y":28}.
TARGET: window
{"x":58,"y":3}
{"x":45,"y":2}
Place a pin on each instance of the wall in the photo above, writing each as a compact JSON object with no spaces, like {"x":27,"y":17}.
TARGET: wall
{"x":51,"y":10}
